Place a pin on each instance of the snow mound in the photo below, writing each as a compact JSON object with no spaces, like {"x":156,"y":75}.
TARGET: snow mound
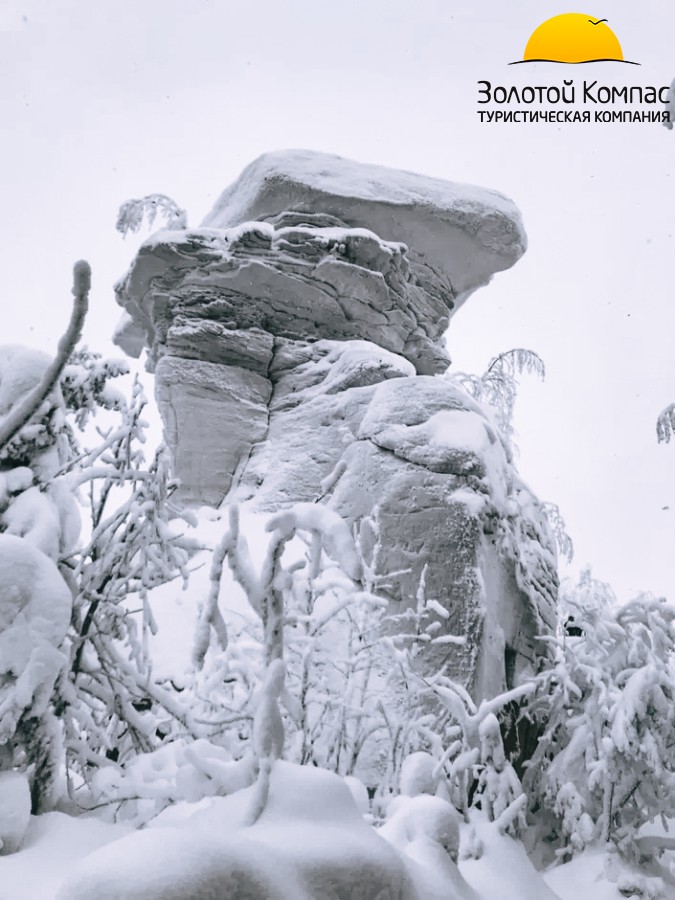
{"x":503,"y":871}
{"x":34,"y":599}
{"x":14,"y":810}
{"x":20,"y":371}
{"x":310,"y":842}
{"x":35,"y":606}
{"x":425,"y":830}
{"x":604,"y":876}
{"x":53,"y":843}
{"x":171,"y":864}
{"x":421,"y":817}
{"x":418,"y":774}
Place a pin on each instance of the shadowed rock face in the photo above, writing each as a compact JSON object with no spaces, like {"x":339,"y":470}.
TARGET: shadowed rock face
{"x":296,"y":334}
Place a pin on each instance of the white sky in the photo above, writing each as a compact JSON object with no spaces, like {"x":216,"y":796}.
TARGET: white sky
{"x":102,"y":100}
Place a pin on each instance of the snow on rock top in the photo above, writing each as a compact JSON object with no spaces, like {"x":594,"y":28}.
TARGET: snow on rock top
{"x":466,"y":232}
{"x":433,"y":423}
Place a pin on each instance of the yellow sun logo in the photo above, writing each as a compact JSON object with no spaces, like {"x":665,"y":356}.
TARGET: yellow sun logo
{"x":573,"y":38}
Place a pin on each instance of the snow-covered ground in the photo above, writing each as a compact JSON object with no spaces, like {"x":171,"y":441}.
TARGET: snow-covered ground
{"x":315,"y":838}
{"x":312,"y":823}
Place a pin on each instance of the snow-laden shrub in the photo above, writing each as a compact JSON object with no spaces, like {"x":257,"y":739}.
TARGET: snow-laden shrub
{"x":605,"y":762}
{"x":35,"y":609}
{"x":74,"y":667}
{"x":110,"y":705}
{"x":133,"y":213}
{"x":38,"y":523}
{"x":86,"y":388}
{"x":497,"y":387}
{"x":499,"y":789}
{"x":353,"y":704}
{"x":496,"y":390}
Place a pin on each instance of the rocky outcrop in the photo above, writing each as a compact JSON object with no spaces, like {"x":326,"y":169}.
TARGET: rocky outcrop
{"x":422,"y":461}
{"x":297,"y":340}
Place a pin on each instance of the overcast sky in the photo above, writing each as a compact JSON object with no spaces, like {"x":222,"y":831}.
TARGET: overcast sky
{"x":102,"y":100}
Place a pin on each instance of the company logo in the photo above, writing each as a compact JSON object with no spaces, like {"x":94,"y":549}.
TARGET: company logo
{"x":573,"y":38}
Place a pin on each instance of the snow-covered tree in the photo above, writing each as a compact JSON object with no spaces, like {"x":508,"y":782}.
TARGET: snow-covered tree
{"x":352,"y":699}
{"x":27,"y":404}
{"x":605,"y":762}
{"x":499,"y":789}
{"x":497,"y":386}
{"x":665,"y":424}
{"x":109,"y":701}
{"x":133,"y":213}
{"x":76,"y":675}
{"x":38,"y":524}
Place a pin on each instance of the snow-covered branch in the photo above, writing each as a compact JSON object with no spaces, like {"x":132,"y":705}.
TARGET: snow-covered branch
{"x":20,"y":414}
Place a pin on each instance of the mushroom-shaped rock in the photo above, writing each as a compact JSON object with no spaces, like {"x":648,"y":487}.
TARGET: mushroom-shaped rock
{"x":297,"y":337}
{"x":311,"y":245}
{"x":464,"y":232}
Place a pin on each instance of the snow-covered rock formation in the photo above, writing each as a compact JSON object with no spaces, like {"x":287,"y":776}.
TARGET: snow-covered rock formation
{"x":297,"y":340}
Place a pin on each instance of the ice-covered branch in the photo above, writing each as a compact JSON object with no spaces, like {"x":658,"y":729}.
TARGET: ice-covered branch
{"x":210,"y":616}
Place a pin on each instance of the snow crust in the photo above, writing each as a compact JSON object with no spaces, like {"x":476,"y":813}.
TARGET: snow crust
{"x":60,"y":848}
{"x":347,"y":178}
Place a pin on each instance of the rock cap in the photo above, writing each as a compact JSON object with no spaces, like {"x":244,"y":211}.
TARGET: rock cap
{"x":467,"y":233}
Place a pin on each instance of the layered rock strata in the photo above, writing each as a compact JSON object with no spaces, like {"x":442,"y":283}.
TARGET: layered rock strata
{"x":297,"y":340}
